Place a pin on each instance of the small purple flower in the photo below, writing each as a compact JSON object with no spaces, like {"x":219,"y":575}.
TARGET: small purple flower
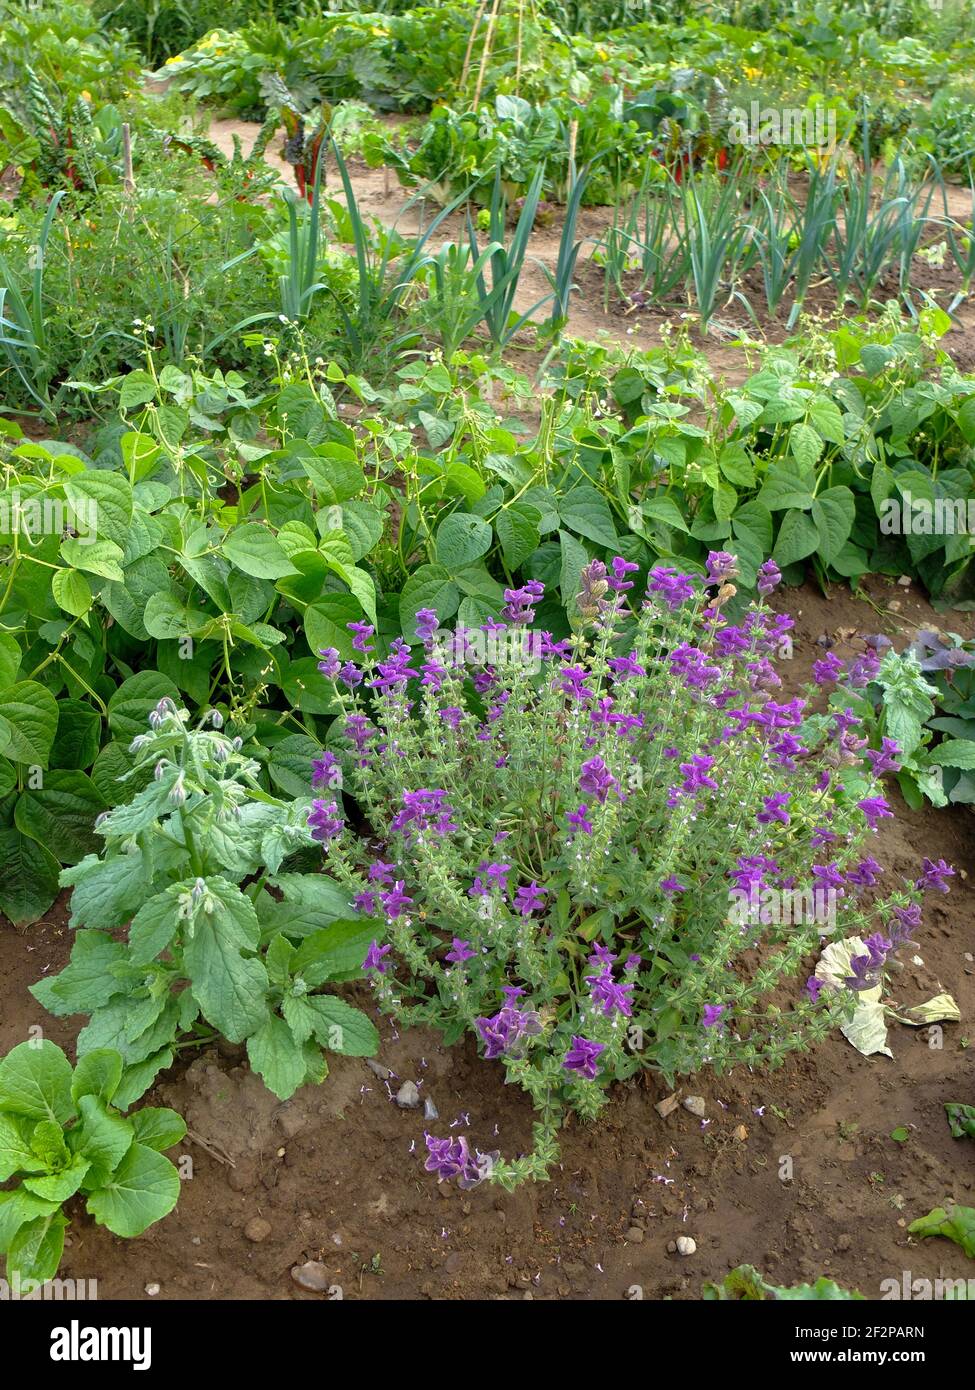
{"x":577,"y":819}
{"x":582,"y":1057}
{"x":452,"y":1158}
{"x":623,"y":667}
{"x":395,"y":902}
{"x":721,"y":567}
{"x":875,"y":808}
{"x":610,"y":996}
{"x":330,"y":663}
{"x":884,"y":759}
{"x":324,"y":822}
{"x":519,"y":609}
{"x":459,"y":952}
{"x":529,"y":898}
{"x":325,"y":771}
{"x":674,"y":588}
{"x":621,"y":568}
{"x":712,"y":1015}
{"x":672,"y":885}
{"x":828,"y":670}
{"x":769,"y":578}
{"x":374,"y":958}
{"x":596,"y":779}
{"x":363,"y":631}
{"x":426,"y":624}
{"x":934,"y":876}
{"x":350,"y":675}
{"x":813,"y":987}
{"x":774,"y":809}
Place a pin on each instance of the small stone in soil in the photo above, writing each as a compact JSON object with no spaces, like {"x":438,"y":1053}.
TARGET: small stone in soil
{"x":312,"y":1275}
{"x":634,"y":1235}
{"x":257,"y":1229}
{"x":685,"y":1245}
{"x":695,"y":1104}
{"x":430,"y":1111}
{"x":378,"y":1069}
{"x":408,"y":1097}
{"x":152,"y":1290}
{"x":666,"y":1106}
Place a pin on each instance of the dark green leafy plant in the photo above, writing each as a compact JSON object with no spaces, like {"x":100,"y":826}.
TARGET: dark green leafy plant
{"x":61,"y":1135}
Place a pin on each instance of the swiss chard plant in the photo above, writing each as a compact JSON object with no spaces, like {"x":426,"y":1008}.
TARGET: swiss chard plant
{"x":202,"y":956}
{"x":62,"y":1135}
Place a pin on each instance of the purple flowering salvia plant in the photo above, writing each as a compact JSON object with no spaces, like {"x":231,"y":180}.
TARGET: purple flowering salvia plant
{"x":578,"y":858}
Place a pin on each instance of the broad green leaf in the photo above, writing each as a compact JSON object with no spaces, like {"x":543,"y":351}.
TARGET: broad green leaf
{"x":255,"y":550}
{"x":61,"y":812}
{"x":72,"y":592}
{"x":798,"y":537}
{"x":461,"y":539}
{"x":230,"y":988}
{"x":29,"y":882}
{"x":29,"y":712}
{"x":277,"y":1057}
{"x":35,"y":1081}
{"x":16,"y":1154}
{"x":954,"y":1222}
{"x":158,"y":1128}
{"x":107,"y":892}
{"x":101,"y":502}
{"x":586,"y":512}
{"x":35,"y":1251}
{"x":143,"y":1189}
{"x":344,"y":1029}
{"x":97,"y":1074}
{"x":100,"y":557}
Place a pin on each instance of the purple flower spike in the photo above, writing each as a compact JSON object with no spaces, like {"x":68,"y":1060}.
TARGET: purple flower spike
{"x":582,"y":1057}
{"x":330,"y":663}
{"x":578,"y":821}
{"x":875,"y":808}
{"x":374,"y":958}
{"x":324,"y":821}
{"x":769,"y":578}
{"x":459,"y":952}
{"x":363,"y":631}
{"x":934,"y":876}
{"x":529,"y":899}
{"x":426,"y":624}
{"x":721,"y":567}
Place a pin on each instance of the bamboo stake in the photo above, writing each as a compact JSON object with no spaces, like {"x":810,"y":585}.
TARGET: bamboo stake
{"x":486,"y":52}
{"x":470,"y":43}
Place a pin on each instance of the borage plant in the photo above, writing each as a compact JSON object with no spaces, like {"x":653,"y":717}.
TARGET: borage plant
{"x":203,"y":957}
{"x":609,"y":852}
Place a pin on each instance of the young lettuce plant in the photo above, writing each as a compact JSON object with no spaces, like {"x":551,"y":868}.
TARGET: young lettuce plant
{"x":610,"y":852}
{"x":203,"y":957}
{"x":60,"y":1136}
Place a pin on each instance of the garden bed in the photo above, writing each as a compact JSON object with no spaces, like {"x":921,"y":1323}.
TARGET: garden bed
{"x":337,"y":1173}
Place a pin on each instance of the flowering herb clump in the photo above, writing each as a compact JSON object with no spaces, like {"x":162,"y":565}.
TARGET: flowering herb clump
{"x":610,"y":852}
